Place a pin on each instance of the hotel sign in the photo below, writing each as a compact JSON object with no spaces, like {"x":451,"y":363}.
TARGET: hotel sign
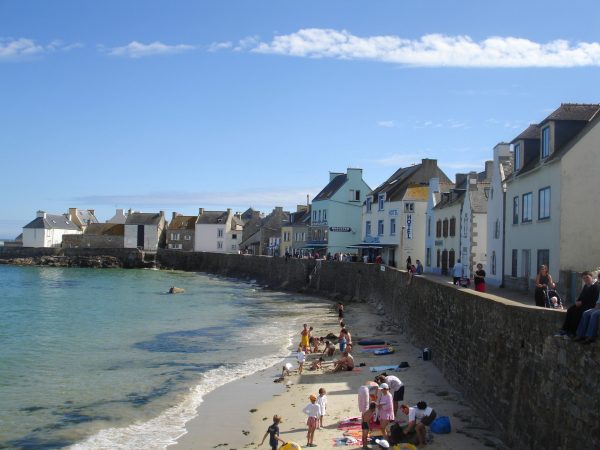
{"x":409,"y":226}
{"x":340,"y":229}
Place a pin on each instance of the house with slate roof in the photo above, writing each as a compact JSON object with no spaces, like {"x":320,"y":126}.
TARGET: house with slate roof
{"x":335,"y":223}
{"x":146,"y":231}
{"x":181,"y":232}
{"x":295,"y":232}
{"x":266,"y":238}
{"x":501,"y":169}
{"x":393,"y":215}
{"x":83,"y":217}
{"x":47,"y":230}
{"x":217,"y":231}
{"x":550,"y":215}
{"x":473,"y":223}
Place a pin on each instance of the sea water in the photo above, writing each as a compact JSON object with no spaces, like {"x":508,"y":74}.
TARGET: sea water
{"x":105,"y":358}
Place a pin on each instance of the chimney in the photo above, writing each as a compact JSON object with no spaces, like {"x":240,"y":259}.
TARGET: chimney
{"x":162,"y":214}
{"x":460,"y":179}
{"x":429,"y":165}
{"x":489,"y":168}
{"x":307,"y":200}
{"x":175,"y":214}
{"x":228,"y":211}
{"x":129,"y":212}
{"x":41,"y":214}
{"x":279,"y":209}
{"x":200,"y":211}
{"x":72,"y":212}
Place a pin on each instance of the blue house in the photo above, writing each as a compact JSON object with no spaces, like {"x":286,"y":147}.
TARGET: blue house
{"x":335,"y":223}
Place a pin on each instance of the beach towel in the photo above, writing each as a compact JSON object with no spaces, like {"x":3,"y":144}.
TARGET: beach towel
{"x":383,"y":368}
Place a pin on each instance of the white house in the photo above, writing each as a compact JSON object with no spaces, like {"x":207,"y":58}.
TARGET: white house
{"x":47,"y":230}
{"x":550,"y":209}
{"x":394,"y":215}
{"x":146,"y":231}
{"x":501,"y":169}
{"x":473,"y":226}
{"x":335,"y":221}
{"x":217,"y":231}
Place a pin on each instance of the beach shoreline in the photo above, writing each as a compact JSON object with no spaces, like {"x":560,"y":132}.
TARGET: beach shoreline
{"x":237,"y":414}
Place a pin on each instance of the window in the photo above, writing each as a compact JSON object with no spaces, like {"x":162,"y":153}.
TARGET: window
{"x":381,"y":202}
{"x":438,"y":257}
{"x":220,"y":232}
{"x":513,"y":268}
{"x":187,"y":237}
{"x":452,"y":226}
{"x":392,"y":227}
{"x":438,"y":228}
{"x":543,"y":257}
{"x":515,"y":210}
{"x":369,"y":204}
{"x":219,"y":244}
{"x":174,"y":236}
{"x":544,"y":203}
{"x":357,"y":195}
{"x":380,"y":227}
{"x":497,"y":229}
{"x":314,"y":215}
{"x":409,"y":207}
{"x":319,"y":215}
{"x":428,"y":226}
{"x":233,"y":247}
{"x":493,"y":269}
{"x":445,"y":228}
{"x":324,"y":215}
{"x":234,"y":236}
{"x":428,"y":257}
{"x":527,"y":207}
{"x":368,"y":228}
{"x":451,"y":258}
{"x":545,"y":142}
{"x":303,"y":234}
{"x":517,"y":156}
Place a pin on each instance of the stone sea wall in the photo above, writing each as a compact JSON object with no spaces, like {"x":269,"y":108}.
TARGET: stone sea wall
{"x":538,"y":391}
{"x":76,"y":257}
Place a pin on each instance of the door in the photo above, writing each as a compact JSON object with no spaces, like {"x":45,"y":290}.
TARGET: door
{"x":445,"y":262}
{"x":140,"y":236}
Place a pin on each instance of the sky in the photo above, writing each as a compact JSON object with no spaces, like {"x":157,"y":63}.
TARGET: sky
{"x":176,"y":105}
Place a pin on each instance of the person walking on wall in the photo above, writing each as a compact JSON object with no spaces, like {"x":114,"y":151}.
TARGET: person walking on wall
{"x":457,"y":272}
{"x":479,"y":278}
{"x":543,"y":280}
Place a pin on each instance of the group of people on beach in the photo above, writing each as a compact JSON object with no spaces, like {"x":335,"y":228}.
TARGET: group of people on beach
{"x":380,"y":401}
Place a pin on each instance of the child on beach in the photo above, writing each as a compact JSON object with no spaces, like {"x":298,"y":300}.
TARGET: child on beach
{"x":322,"y":402}
{"x":317,"y":364}
{"x":386,"y":408}
{"x":367,"y":418}
{"x":301,"y":356}
{"x":329,"y":349}
{"x":313,"y":411}
{"x":273,"y":432}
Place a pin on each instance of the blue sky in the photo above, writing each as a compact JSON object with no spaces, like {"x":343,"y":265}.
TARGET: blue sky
{"x":177,"y":105}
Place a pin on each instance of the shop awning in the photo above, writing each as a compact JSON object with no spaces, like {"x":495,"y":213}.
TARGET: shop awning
{"x":372,"y":245}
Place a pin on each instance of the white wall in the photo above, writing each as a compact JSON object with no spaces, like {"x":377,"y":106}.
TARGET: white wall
{"x":38,"y":237}
{"x":579,"y":217}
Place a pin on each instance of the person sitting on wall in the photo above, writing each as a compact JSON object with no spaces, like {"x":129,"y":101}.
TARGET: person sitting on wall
{"x":586,"y":300}
{"x":587,"y":331}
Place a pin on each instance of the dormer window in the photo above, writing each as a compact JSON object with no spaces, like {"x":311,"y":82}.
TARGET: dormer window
{"x":545,"y":142}
{"x":518,"y":156}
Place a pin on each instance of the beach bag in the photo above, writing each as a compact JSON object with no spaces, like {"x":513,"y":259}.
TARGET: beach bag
{"x":441,"y":425}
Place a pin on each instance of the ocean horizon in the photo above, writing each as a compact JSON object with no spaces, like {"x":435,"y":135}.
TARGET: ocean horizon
{"x":105,"y":358}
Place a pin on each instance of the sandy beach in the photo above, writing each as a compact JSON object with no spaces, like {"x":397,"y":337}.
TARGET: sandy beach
{"x":237,"y":415}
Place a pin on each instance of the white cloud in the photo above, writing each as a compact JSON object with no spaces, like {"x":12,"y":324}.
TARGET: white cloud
{"x":433,"y":50}
{"x":23,"y":48}
{"x":138,"y":50}
{"x":402,"y":159}
{"x":386,"y":123}
{"x":247,"y":42}
{"x":216,"y":46}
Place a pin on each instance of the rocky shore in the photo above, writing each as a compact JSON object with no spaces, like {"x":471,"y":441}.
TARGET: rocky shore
{"x":95,"y":262}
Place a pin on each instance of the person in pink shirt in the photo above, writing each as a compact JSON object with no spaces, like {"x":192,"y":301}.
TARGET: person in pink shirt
{"x":385,"y":407}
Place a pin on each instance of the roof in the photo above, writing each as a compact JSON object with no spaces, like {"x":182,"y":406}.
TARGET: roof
{"x":507,"y":165}
{"x":86,"y":216}
{"x":332,"y":187}
{"x":105,"y":229}
{"x":137,"y":218}
{"x":456,"y":196}
{"x":574,"y":111}
{"x":299,"y":218}
{"x":183,"y":223}
{"x":531,"y":132}
{"x":407,"y":177}
{"x":212,"y":218}
{"x":52,"y":221}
